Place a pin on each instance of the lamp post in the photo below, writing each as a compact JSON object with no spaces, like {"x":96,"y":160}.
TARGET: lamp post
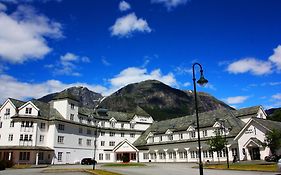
{"x":95,"y":147}
{"x":226,"y":149}
{"x":202,"y":81}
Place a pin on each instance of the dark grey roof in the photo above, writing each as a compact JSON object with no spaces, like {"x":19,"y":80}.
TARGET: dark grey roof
{"x":65,"y":94}
{"x":246,"y":111}
{"x":42,"y":148}
{"x":206,"y":119}
{"x":17,"y":103}
{"x":269,"y":124}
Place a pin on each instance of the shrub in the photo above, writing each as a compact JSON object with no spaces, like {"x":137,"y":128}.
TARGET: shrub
{"x":126,"y":159}
{"x":2,"y":165}
{"x":9,"y":163}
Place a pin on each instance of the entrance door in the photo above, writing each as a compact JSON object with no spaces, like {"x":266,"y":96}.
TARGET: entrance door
{"x":255,"y":153}
{"x":67,"y":157}
{"x":126,"y":157}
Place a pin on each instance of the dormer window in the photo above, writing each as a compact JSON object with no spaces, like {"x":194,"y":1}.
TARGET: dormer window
{"x":161,"y":138}
{"x":72,"y":117}
{"x":102,"y":123}
{"x":28,"y":110}
{"x":122,"y":125}
{"x":112,"y":124}
{"x":132,"y":125}
{"x":181,"y":136}
{"x":170,"y":137}
{"x":192,"y":134}
{"x":71,"y":106}
{"x":7,"y":111}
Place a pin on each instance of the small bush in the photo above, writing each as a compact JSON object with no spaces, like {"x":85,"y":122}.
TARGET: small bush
{"x":2,"y":165}
{"x":9,"y":163}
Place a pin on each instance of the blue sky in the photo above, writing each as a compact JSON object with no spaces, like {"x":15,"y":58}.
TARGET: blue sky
{"x":49,"y":45}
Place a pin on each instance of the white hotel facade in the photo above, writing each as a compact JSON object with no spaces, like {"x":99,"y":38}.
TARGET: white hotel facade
{"x":61,"y":132}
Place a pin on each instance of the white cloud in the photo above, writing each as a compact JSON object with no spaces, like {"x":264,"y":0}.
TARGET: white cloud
{"x":24,"y":90}
{"x":68,"y":64}
{"x":124,"y":6}
{"x":252,"y":65}
{"x":134,"y":74}
{"x":186,"y":84}
{"x":105,"y":62}
{"x":2,"y":7}
{"x":23,"y":35}
{"x":276,"y":57}
{"x":236,"y":100}
{"x":277,"y":96}
{"x":126,"y":25}
{"x":170,"y":4}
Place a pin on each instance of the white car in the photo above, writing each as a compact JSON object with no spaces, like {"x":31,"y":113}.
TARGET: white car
{"x":279,"y":165}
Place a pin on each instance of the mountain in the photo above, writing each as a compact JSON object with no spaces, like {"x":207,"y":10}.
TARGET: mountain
{"x":274,"y":114}
{"x":159,"y":100}
{"x":85,"y":97}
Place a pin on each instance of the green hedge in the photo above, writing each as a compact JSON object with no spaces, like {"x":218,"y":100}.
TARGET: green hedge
{"x":6,"y":164}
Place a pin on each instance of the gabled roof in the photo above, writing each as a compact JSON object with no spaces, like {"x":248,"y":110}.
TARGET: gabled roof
{"x":206,"y":119}
{"x":122,"y":143}
{"x":17,"y":103}
{"x":247,"y":111}
{"x":140,"y":112}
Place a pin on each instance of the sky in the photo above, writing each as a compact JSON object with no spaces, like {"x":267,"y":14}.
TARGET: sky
{"x":49,"y":45}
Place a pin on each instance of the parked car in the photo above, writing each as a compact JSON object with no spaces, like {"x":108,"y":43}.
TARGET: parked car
{"x":87,"y":161}
{"x":272,"y":158}
{"x":279,"y":165}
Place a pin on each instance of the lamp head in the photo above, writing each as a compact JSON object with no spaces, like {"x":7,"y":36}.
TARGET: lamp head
{"x":202,"y":81}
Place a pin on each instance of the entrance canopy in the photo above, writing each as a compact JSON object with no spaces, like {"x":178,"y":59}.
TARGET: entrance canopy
{"x":125,"y":146}
{"x":253,"y":142}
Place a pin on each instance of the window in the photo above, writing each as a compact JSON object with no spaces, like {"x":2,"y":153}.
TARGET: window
{"x":102,"y":143}
{"x":205,"y":154}
{"x":41,"y":155}
{"x":61,"y":127}
{"x":192,"y":134}
{"x":132,"y":125}
{"x":60,"y":139}
{"x":112,"y":134}
{"x":24,"y":156}
{"x":181,"y":136}
{"x":234,"y":151}
{"x":122,"y":125}
{"x":80,"y":141}
{"x":8,"y":111}
{"x":80,"y":119}
{"x":161,"y":138}
{"x":41,"y":138}
{"x":102,"y":123}
{"x":170,"y":137}
{"x":211,"y":154}
{"x":80,"y":130}
{"x":72,"y":117}
{"x":133,"y":156}
{"x":111,"y":143}
{"x":145,"y":156}
{"x":132,"y":135}
{"x":30,"y":138}
{"x":107,"y":156}
{"x":194,"y":154}
{"x":102,"y":133}
{"x":89,"y":131}
{"x":25,"y":137}
{"x":89,"y":142}
{"x":219,"y":153}
{"x":100,"y":156}
{"x":11,"y":136}
{"x":0,"y":124}
{"x":122,"y":134}
{"x":112,"y":124}
{"x":162,"y":155}
{"x":59,"y":156}
{"x":28,"y":110}
{"x":21,"y":137}
{"x":12,"y":124}
{"x":71,"y":106}
{"x":42,"y":125}
{"x":205,"y":133}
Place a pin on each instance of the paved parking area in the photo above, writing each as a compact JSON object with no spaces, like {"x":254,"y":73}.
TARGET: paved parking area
{"x":151,"y":169}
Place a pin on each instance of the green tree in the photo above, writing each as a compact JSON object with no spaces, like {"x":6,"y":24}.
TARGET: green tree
{"x":276,"y":115}
{"x":217,"y":144}
{"x":273,"y":140}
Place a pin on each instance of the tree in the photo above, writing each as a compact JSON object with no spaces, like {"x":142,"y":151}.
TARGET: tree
{"x":276,"y":115}
{"x":273,"y":140}
{"x":217,"y":144}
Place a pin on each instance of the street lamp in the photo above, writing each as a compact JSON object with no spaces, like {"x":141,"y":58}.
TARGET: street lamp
{"x":95,"y":147}
{"x":202,"y":81}
{"x":222,"y":121}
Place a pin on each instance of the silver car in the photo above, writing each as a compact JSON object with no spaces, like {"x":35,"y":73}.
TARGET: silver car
{"x":279,"y":165}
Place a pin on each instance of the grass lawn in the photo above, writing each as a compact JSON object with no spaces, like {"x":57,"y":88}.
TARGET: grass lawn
{"x":123,"y":164}
{"x":246,"y":167}
{"x":101,"y":172}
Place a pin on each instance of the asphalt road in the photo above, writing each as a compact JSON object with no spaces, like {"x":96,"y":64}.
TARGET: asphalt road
{"x":151,"y":169}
